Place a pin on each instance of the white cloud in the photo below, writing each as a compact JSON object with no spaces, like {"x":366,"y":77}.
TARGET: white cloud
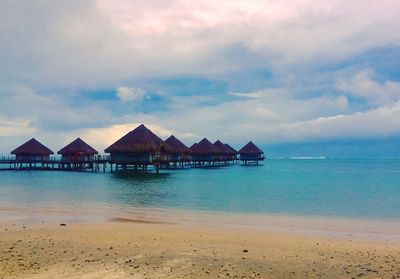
{"x":248,"y":118}
{"x":254,"y":95}
{"x":130,"y":94}
{"x":15,"y":127}
{"x":271,"y":115}
{"x":49,"y":112}
{"x":103,"y":137}
{"x":275,"y":32}
{"x":342,"y":102}
{"x":363,"y":85}
{"x":105,"y":43}
{"x":374,"y":123}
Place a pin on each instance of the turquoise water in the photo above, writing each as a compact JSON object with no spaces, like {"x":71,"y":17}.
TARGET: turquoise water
{"x":330,"y":187}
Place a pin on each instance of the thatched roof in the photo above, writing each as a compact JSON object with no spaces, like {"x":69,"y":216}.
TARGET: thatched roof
{"x":204,"y":147}
{"x":233,"y":151}
{"x":177,"y":145}
{"x":250,"y":148}
{"x":191,"y":147}
{"x":78,"y":146}
{"x":224,"y":150}
{"x":139,"y":140}
{"x":32,"y":147}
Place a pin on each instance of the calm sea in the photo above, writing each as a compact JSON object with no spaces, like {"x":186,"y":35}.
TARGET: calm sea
{"x":322,"y":187}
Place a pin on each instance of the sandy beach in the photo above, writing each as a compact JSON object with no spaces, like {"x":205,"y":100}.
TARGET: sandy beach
{"x":150,"y":248}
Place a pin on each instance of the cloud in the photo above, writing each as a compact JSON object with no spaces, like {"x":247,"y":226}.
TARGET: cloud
{"x":103,"y":137}
{"x":258,"y":32}
{"x":51,"y":111}
{"x":362,"y":85}
{"x":245,"y":95}
{"x":381,"y":122}
{"x":104,"y":42}
{"x":130,"y":94}
{"x":15,"y":127}
{"x":234,"y":70}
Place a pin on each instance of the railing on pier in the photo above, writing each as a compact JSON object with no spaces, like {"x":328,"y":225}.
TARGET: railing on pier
{"x":92,"y":163}
{"x":97,"y":162}
{"x":7,"y":159}
{"x":94,"y":159}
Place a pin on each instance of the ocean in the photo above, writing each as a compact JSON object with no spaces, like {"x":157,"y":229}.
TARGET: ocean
{"x":349,"y":188}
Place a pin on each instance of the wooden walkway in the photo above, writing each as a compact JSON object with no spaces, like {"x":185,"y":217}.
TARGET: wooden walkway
{"x":98,"y":163}
{"x":104,"y":163}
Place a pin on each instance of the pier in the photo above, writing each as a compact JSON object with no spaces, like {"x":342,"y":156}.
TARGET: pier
{"x":103,"y":163}
{"x":138,"y":151}
{"x":99,"y":163}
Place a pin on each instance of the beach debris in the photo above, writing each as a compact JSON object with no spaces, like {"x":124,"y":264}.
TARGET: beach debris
{"x":63,"y":225}
{"x":245,"y":251}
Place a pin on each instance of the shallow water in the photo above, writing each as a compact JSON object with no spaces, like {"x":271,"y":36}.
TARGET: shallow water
{"x":329,"y":187}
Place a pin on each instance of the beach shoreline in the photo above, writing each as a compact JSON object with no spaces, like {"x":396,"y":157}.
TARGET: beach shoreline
{"x":319,"y":226}
{"x":134,"y":248}
{"x":49,"y":242}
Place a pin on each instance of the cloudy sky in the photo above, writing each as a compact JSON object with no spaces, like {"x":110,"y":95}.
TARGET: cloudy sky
{"x":274,"y":71}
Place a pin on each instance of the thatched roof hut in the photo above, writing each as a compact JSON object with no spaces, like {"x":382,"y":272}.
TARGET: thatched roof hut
{"x":32,"y":148}
{"x":78,"y":146}
{"x":177,"y":146}
{"x":140,"y":140}
{"x":192,"y":146}
{"x":250,"y":148}
{"x":232,"y":150}
{"x":204,"y":147}
{"x":223,"y":149}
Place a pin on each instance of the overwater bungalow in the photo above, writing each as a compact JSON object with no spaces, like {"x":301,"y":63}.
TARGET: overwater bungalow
{"x":32,"y":152}
{"x":192,"y":146}
{"x":139,"y":148}
{"x":224,"y":155}
{"x":78,"y":150}
{"x":232,"y":152}
{"x":204,"y":152}
{"x":180,"y":153}
{"x":251,"y":154}
{"x":78,"y":155}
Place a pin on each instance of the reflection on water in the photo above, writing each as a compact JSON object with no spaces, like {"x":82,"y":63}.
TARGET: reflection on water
{"x":140,"y":177}
{"x":141,"y":189}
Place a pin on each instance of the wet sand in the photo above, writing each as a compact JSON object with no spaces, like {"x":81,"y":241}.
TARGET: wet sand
{"x":141,"y":248}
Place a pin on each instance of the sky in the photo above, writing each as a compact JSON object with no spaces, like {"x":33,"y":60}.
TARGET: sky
{"x":276,"y":72}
